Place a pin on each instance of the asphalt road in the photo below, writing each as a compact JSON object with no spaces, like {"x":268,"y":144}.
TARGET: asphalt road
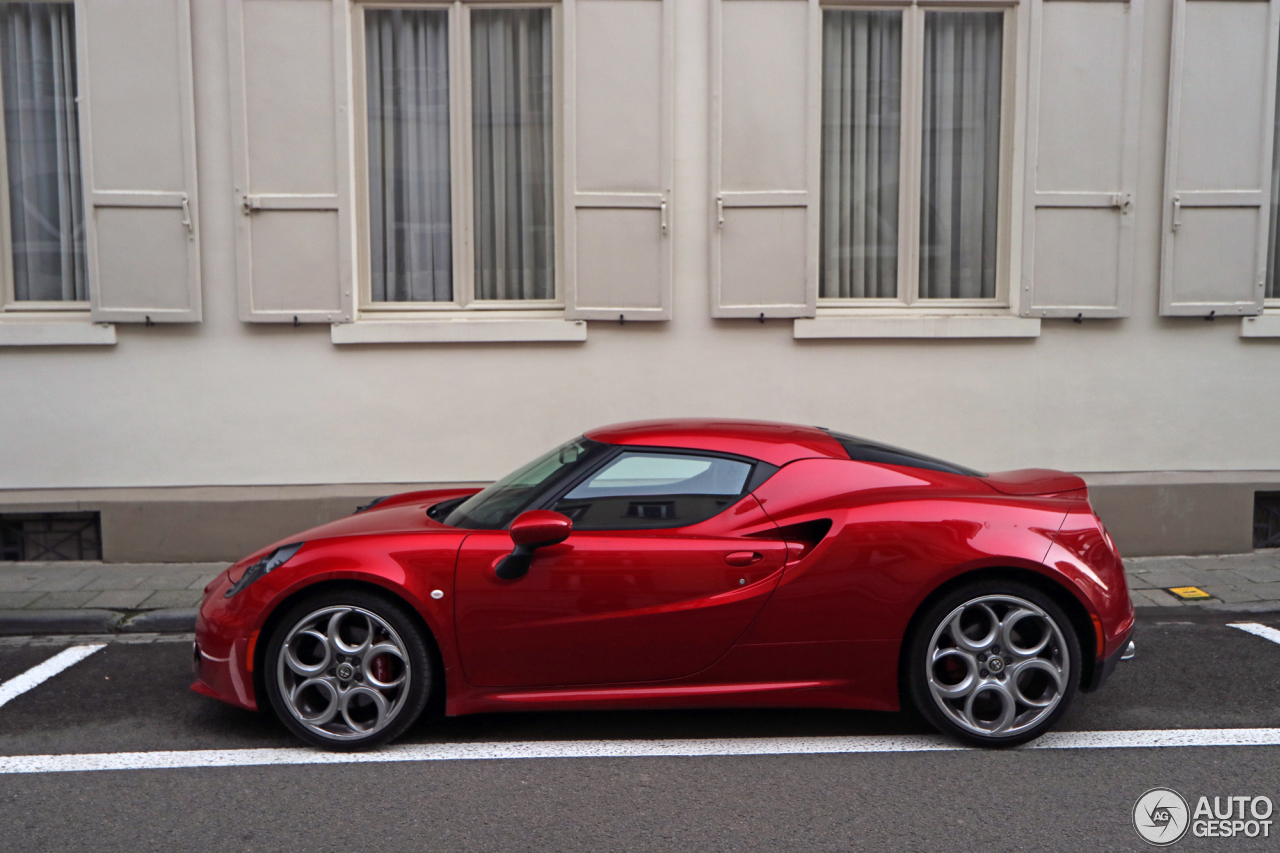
{"x":1192,"y":671}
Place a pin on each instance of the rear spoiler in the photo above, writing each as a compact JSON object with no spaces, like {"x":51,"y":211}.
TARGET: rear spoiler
{"x":1034,"y":481}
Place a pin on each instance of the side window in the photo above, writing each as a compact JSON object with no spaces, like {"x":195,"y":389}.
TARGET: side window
{"x":647,"y":490}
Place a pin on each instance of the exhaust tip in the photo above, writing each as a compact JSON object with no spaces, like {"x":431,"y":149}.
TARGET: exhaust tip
{"x":1129,"y":652}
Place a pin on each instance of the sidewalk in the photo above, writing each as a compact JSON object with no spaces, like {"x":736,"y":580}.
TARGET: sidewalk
{"x":89,"y":597}
{"x":72,"y":597}
{"x":1244,"y":582}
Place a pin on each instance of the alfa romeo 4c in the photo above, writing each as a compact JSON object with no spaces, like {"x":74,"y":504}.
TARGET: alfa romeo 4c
{"x":683,"y":563}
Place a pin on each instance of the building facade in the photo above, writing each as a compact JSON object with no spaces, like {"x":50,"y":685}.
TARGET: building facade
{"x":265,"y":258}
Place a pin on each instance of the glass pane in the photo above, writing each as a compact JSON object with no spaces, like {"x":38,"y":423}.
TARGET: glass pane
{"x":653,"y":474}
{"x":42,"y":135}
{"x":960,"y":172}
{"x":498,"y":505}
{"x":647,"y":490}
{"x":861,"y":126}
{"x":410,"y":221}
{"x":511,"y":119}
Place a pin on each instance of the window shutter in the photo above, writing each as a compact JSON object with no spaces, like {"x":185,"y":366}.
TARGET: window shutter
{"x":291,"y":141}
{"x":765,"y":78}
{"x":1218,"y":160}
{"x":1082,"y":158}
{"x":137,"y":147}
{"x":618,"y":152}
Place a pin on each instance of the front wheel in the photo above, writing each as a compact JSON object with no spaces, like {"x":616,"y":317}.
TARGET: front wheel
{"x":994,"y":663}
{"x":347,"y":669}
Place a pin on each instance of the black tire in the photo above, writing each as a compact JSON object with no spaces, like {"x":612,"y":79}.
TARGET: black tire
{"x":979,"y":717}
{"x":404,"y":664}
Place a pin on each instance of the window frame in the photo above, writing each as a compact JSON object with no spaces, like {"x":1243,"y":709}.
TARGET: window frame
{"x":910,"y":163}
{"x":462,"y":211}
{"x":10,"y":305}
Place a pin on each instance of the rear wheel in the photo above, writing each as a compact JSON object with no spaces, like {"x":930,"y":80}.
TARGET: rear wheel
{"x":994,"y":663}
{"x":347,"y":669}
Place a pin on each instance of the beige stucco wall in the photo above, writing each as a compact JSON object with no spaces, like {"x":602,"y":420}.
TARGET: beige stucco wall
{"x":228,"y":403}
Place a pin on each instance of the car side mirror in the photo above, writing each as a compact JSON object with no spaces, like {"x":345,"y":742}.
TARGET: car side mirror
{"x":532,"y":530}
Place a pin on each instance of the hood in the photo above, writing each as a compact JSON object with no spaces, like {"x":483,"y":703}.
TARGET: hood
{"x":1034,"y":481}
{"x":403,"y":513}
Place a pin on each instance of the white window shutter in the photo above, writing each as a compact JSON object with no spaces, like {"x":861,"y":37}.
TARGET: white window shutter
{"x":765,"y":79}
{"x":1218,"y":158}
{"x":618,"y":159}
{"x":1082,"y":151}
{"x":137,"y":146}
{"x":290,"y":90}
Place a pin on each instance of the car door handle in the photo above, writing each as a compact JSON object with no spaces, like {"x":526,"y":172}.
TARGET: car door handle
{"x":743,"y":558}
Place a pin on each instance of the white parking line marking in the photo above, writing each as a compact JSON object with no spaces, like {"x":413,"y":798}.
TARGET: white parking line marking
{"x":40,"y":673}
{"x":1263,"y":631}
{"x":617,"y":749}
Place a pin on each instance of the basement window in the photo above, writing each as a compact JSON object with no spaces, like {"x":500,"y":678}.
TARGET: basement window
{"x":1266,"y":519}
{"x":50,"y":536}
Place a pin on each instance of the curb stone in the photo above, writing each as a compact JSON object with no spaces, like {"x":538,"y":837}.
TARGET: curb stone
{"x":91,"y":621}
{"x":181,"y":620}
{"x":84,"y":621}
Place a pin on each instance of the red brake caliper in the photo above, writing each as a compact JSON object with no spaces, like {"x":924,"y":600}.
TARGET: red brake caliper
{"x":382,"y":669}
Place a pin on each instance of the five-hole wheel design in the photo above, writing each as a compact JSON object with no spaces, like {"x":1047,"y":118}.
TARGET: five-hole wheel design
{"x":994,"y":664}
{"x":347,"y":670}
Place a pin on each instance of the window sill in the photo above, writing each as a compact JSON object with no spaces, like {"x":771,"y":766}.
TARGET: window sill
{"x":1265,"y":325}
{"x":45,"y":330}
{"x":900,"y":325}
{"x":457,"y":330}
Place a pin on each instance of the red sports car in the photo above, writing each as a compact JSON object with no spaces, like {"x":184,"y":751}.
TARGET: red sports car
{"x":684,"y":563}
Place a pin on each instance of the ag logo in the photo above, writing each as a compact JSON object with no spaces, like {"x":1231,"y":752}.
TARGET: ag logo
{"x":1160,"y":816}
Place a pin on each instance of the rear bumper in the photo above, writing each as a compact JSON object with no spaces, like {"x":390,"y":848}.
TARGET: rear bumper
{"x":1103,"y":669}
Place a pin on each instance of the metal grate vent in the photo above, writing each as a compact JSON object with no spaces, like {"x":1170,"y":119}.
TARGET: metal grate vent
{"x":1266,"y":519}
{"x":50,"y":536}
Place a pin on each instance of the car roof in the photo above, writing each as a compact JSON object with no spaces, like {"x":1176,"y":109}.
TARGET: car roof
{"x":775,"y":443}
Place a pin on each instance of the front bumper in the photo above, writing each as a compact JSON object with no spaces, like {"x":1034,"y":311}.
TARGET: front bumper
{"x":1102,"y":670}
{"x":222,"y":652}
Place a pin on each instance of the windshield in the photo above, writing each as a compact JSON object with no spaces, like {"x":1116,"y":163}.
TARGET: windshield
{"x":498,"y":505}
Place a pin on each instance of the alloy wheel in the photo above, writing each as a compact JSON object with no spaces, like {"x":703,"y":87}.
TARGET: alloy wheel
{"x":344,"y":673}
{"x":998,"y":665}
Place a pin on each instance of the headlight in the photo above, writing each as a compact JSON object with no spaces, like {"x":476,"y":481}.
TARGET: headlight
{"x":269,"y":563}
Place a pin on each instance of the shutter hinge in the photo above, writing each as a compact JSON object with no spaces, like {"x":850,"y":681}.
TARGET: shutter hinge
{"x":1122,"y":202}
{"x":186,"y":214}
{"x":1177,"y":211}
{"x":250,"y":203}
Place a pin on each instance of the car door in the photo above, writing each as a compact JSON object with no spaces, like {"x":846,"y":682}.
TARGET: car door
{"x":665,"y":569}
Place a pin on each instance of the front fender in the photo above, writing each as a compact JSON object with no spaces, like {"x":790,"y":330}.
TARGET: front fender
{"x":407,"y":567}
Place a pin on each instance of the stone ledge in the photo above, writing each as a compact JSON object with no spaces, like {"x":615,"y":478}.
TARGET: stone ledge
{"x":180,"y":620}
{"x":14,"y":622}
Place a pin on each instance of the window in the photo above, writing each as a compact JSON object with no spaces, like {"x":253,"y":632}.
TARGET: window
{"x":1266,"y":519}
{"x":865,"y":450}
{"x":655,"y":490}
{"x":497,"y":506}
{"x":460,"y":106}
{"x":48,"y":536}
{"x":41,"y":196}
{"x":913,"y":157}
